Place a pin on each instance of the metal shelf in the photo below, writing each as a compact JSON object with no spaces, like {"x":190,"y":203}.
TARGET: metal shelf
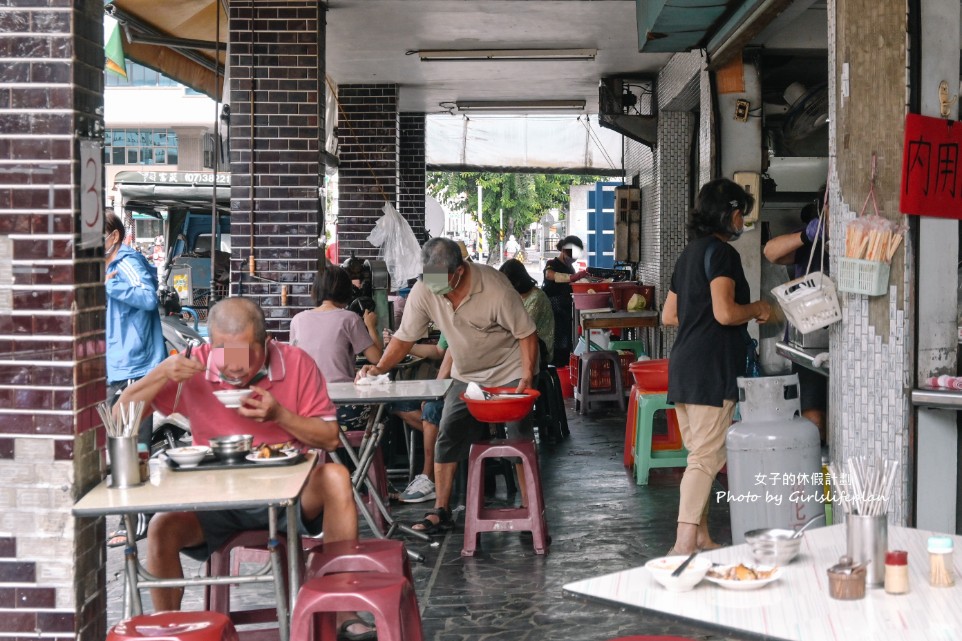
{"x":802,"y":356}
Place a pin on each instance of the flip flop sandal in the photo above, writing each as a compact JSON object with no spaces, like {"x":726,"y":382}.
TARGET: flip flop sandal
{"x":370,"y":634}
{"x":117,"y":538}
{"x":429,"y":527}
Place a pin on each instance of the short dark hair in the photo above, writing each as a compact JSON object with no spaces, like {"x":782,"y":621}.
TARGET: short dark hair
{"x":517,"y":275}
{"x":570,"y":240}
{"x":113,"y":223}
{"x":809,"y":213}
{"x":716,"y":203}
{"x":441,"y":252}
{"x":334,"y":284}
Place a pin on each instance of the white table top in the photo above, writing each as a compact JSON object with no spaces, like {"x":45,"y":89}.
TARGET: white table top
{"x":797,"y":606}
{"x":201,"y":490}
{"x":426,"y":390}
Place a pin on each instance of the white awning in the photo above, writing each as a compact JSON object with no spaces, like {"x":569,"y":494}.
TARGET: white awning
{"x":528,"y":143}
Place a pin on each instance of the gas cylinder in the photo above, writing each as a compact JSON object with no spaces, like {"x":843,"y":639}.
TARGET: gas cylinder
{"x":774,"y":459}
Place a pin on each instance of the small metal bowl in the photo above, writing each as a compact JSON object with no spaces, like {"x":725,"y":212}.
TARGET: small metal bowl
{"x":773,"y":546}
{"x":231,"y":448}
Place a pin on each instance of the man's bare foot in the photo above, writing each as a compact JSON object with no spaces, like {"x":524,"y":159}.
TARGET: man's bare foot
{"x":704,"y":546}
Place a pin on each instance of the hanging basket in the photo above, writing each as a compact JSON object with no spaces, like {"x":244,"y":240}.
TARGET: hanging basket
{"x":810,"y":302}
{"x":857,"y":276}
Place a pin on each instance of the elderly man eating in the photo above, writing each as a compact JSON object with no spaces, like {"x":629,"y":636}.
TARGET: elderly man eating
{"x":491,"y":338}
{"x":289,"y":403}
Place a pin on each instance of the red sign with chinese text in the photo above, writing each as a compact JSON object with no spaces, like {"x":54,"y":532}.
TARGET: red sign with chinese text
{"x":931,"y":177}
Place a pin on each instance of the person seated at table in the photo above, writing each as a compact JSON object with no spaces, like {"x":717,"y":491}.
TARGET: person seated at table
{"x":424,"y":417}
{"x":289,"y":403}
{"x":491,"y":339}
{"x":333,"y":335}
{"x":536,"y":303}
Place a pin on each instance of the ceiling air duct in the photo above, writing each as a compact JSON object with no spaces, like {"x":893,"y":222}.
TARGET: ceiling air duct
{"x":627,"y":105}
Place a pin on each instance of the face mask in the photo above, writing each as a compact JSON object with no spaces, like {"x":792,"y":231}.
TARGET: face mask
{"x":737,"y":233}
{"x":441,"y":288}
{"x":108,"y":249}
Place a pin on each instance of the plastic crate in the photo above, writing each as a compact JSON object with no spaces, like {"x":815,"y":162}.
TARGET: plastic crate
{"x":857,"y":276}
{"x":809,"y":302}
{"x":600,"y":377}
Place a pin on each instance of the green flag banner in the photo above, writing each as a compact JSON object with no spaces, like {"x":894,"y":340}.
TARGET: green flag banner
{"x":115,"y":53}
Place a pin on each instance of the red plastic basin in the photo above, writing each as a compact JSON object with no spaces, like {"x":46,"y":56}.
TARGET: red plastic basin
{"x":501,"y":410}
{"x":650,"y":376}
{"x":582,"y":287}
{"x":592,"y":301}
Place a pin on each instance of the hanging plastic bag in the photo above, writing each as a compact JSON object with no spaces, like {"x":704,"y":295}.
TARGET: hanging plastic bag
{"x":399,"y":247}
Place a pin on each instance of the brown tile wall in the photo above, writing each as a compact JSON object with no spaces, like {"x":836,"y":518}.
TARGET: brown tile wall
{"x":368,"y":150}
{"x":52,"y":341}
{"x":276,"y":60}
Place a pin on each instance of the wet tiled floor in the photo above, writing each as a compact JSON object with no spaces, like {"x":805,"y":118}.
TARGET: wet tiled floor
{"x":599,"y":521}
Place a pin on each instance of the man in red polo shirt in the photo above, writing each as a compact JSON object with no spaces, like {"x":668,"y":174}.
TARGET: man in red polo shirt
{"x":289,"y":403}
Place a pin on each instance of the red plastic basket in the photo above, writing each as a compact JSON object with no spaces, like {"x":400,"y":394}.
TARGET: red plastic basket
{"x":600,"y":378}
{"x":621,"y":293}
{"x":582,"y":287}
{"x":501,"y":410}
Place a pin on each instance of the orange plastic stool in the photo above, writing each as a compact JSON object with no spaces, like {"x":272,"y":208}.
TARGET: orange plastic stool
{"x":184,"y":626}
{"x":672,"y":440}
{"x":478,"y":519}
{"x":390,"y":598}
{"x":367,"y":555}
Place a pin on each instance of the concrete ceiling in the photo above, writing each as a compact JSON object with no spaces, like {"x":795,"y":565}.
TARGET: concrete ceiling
{"x":367,"y":41}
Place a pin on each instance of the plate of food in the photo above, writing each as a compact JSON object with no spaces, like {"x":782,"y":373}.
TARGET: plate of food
{"x":742,"y":576}
{"x":265,"y":453}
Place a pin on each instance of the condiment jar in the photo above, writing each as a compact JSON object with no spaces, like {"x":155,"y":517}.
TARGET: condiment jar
{"x":846,"y":581}
{"x":941,"y":568}
{"x":897,"y":572}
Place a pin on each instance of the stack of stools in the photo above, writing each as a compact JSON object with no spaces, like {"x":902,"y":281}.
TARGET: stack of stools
{"x":605,"y":367}
{"x":649,"y":395}
{"x":530,"y":518}
{"x":167,"y":626}
{"x":350,"y":576}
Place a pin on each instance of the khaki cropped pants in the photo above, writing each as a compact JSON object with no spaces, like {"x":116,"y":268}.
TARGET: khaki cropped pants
{"x":703,"y":430}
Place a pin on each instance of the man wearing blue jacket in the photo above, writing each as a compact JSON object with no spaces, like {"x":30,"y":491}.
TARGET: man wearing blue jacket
{"x":135,"y":339}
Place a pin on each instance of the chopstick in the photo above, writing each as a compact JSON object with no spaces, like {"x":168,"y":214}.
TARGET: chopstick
{"x":871,"y":487}
{"x":129,"y":418}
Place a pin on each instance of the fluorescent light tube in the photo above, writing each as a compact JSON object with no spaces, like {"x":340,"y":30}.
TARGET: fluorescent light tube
{"x":520,"y":105}
{"x":507,"y":54}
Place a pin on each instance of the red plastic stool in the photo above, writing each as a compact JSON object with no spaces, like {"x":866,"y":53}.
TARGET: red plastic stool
{"x":184,"y":626}
{"x":530,"y":518}
{"x":249,"y":546}
{"x":631,"y":428}
{"x":367,"y":555}
{"x":390,"y":598}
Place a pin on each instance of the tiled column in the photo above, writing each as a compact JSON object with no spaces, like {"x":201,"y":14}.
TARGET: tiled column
{"x":276,"y":65}
{"x":51,"y":323}
{"x":412,"y":173}
{"x":368,"y":150}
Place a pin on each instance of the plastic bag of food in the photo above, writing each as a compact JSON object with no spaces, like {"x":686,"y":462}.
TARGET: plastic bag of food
{"x":399,"y":247}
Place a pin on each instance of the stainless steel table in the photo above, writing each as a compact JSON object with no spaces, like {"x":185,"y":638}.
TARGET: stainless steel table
{"x":200,"y":490}
{"x":797,"y":605}
{"x":647,"y":319}
{"x":380,"y":395}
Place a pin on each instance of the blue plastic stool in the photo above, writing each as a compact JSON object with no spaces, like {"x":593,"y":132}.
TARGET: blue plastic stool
{"x":645,"y":458}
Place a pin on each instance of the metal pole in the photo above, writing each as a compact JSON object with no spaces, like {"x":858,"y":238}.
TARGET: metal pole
{"x":480,"y":226}
{"x":500,"y":235}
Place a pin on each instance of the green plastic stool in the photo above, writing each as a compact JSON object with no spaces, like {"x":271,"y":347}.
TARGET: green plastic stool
{"x":638,"y":347}
{"x":645,"y":459}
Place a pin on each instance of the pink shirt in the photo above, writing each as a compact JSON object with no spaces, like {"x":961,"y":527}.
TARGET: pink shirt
{"x":293,"y":379}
